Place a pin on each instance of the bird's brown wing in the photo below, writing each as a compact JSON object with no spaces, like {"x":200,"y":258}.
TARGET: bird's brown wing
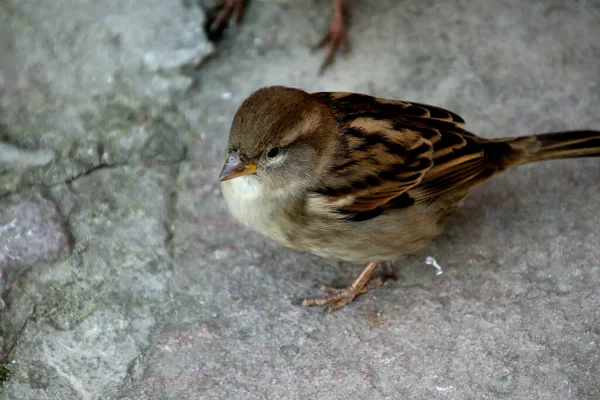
{"x":395,"y":153}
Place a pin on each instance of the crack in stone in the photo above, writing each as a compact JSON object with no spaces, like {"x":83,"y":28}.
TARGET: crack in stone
{"x":171,"y":215}
{"x":7,"y":350}
{"x":170,"y":206}
{"x":112,"y":166}
{"x":171,"y":203}
{"x":86,"y":173}
{"x":130,"y":372}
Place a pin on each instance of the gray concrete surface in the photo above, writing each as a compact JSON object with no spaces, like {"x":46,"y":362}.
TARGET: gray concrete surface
{"x":122,"y":275}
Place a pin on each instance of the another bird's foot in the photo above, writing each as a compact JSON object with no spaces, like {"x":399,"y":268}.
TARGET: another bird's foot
{"x":342,"y":296}
{"x":336,"y":36}
{"x":228,"y":7}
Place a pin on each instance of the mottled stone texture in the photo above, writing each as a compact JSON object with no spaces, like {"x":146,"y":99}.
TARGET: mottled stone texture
{"x":123,"y":276}
{"x":30,"y":230}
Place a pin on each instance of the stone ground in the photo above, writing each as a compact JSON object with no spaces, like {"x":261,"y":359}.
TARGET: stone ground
{"x":122,"y":275}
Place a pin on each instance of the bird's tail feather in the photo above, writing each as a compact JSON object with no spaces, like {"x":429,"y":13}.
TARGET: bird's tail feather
{"x":555,"y":145}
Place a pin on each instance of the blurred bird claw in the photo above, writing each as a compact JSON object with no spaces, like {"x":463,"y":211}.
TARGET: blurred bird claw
{"x":227,"y":7}
{"x":336,"y":36}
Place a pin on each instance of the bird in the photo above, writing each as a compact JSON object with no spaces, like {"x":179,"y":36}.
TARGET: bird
{"x":336,"y":35}
{"x":360,"y":179}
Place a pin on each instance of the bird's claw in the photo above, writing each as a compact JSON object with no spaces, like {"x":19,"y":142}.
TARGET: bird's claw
{"x":227,"y":7}
{"x":337,"y":38}
{"x":342,"y":296}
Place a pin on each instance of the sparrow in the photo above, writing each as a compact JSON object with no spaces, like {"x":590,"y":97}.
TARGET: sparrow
{"x":335,"y":36}
{"x":355,"y":178}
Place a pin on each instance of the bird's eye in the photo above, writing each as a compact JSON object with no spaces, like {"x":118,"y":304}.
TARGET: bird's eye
{"x":273,"y":152}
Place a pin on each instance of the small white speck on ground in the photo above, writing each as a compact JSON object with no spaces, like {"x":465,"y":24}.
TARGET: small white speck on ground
{"x":444,"y":389}
{"x":438,"y":267}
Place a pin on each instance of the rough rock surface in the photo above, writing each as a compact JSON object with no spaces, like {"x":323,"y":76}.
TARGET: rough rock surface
{"x":123,"y":276}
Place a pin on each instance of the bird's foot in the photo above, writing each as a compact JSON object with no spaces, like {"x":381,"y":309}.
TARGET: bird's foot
{"x":226,"y":9}
{"x":342,"y":296}
{"x":335,"y":36}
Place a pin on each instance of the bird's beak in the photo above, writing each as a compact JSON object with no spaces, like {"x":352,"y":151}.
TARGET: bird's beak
{"x":234,"y":168}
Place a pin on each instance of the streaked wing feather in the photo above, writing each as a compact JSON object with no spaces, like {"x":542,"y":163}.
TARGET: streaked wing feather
{"x":375,"y":164}
{"x":394,"y":153}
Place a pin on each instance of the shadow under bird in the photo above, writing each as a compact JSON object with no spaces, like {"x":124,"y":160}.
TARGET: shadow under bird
{"x":360,"y":179}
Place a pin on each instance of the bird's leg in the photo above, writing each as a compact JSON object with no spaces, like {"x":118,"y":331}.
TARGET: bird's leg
{"x":340,"y":297}
{"x":227,"y":7}
{"x":336,"y":34}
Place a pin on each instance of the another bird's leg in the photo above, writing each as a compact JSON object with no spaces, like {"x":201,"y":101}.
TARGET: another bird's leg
{"x":362,"y":284}
{"x":227,"y":7}
{"x":336,"y":34}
